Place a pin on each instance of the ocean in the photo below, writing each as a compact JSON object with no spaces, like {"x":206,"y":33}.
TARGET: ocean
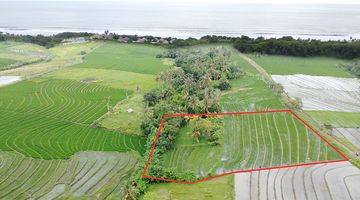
{"x":325,"y":22}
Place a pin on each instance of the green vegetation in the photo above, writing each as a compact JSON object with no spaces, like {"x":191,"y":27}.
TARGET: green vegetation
{"x":336,"y":119}
{"x":46,"y":41}
{"x":60,"y":56}
{"x":13,"y":54}
{"x":4,"y":62}
{"x":248,"y":141}
{"x":287,"y":65}
{"x":125,"y":57}
{"x":53,"y":119}
{"x":24,"y":177}
{"x":298,"y":47}
{"x":353,"y":67}
{"x":122,"y":121}
{"x":136,"y":82}
{"x":221,"y":188}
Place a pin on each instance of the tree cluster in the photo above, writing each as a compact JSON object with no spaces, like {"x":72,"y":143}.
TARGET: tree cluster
{"x":46,"y":41}
{"x":193,"y":85}
{"x":297,"y":47}
{"x":208,"y":129}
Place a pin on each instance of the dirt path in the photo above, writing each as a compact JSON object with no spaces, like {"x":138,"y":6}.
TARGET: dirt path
{"x":261,"y":70}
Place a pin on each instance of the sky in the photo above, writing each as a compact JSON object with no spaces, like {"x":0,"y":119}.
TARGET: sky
{"x":231,"y":1}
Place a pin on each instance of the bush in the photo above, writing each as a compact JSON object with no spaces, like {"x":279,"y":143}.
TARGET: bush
{"x":224,"y":85}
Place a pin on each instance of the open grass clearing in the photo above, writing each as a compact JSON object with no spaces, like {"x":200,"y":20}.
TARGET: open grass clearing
{"x":119,"y":119}
{"x":287,"y":65}
{"x":221,"y":188}
{"x":325,"y":181}
{"x":85,"y":174}
{"x":54,"y":119}
{"x":323,"y":92}
{"x":136,"y":58}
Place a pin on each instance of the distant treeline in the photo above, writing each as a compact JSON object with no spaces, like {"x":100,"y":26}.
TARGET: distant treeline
{"x":281,"y":46}
{"x":46,"y":41}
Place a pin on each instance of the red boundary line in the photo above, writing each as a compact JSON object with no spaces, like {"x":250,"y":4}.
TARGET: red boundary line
{"x":296,"y":116}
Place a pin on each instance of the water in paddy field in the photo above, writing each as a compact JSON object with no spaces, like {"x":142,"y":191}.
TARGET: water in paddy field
{"x":182,"y":20}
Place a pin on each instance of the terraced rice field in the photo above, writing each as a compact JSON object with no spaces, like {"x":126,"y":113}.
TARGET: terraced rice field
{"x":323,"y":93}
{"x":248,"y":142}
{"x":220,"y":188}
{"x":52,"y":118}
{"x":125,"y":57}
{"x":325,"y":181}
{"x":351,"y":134}
{"x":4,"y":62}
{"x":87,"y":174}
{"x":14,"y":53}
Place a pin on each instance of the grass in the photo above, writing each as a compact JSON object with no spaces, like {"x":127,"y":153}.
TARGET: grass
{"x":287,"y":65}
{"x":60,"y":56}
{"x":20,"y":53}
{"x":109,"y":77}
{"x":50,"y":119}
{"x":5,"y":62}
{"x":126,"y":57}
{"x":221,"y":188}
{"x":119,"y":119}
{"x":336,"y":119}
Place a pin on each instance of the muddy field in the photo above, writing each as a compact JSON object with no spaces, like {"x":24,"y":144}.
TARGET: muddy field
{"x":322,"y":92}
{"x":324,"y":181}
{"x":351,"y":134}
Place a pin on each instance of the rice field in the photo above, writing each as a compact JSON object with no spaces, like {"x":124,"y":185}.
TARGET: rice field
{"x":221,"y":188}
{"x":53,"y":118}
{"x":323,"y":92}
{"x":85,"y":174}
{"x":14,"y":54}
{"x":135,"y":58}
{"x":289,"y":65}
{"x":4,"y":62}
{"x":325,"y":181}
{"x":249,"y":142}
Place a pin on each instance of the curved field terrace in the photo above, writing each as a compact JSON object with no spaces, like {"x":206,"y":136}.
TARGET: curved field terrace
{"x":339,"y":180}
{"x":250,"y":141}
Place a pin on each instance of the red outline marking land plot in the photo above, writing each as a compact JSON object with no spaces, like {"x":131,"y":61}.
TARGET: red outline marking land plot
{"x":227,"y":172}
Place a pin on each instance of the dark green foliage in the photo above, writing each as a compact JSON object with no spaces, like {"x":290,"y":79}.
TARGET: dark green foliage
{"x":46,"y":41}
{"x":297,"y":47}
{"x":224,"y":84}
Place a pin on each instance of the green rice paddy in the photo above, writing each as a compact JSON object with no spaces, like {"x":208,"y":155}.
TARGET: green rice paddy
{"x":287,"y":65}
{"x":51,"y":119}
{"x":125,"y":57}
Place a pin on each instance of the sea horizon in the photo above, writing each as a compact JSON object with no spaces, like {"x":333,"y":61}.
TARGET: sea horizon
{"x":305,"y":21}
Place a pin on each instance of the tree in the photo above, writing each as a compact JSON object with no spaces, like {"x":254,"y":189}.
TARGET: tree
{"x":224,"y":84}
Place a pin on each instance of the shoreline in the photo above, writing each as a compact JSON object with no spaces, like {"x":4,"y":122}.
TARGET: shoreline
{"x":164,"y":33}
